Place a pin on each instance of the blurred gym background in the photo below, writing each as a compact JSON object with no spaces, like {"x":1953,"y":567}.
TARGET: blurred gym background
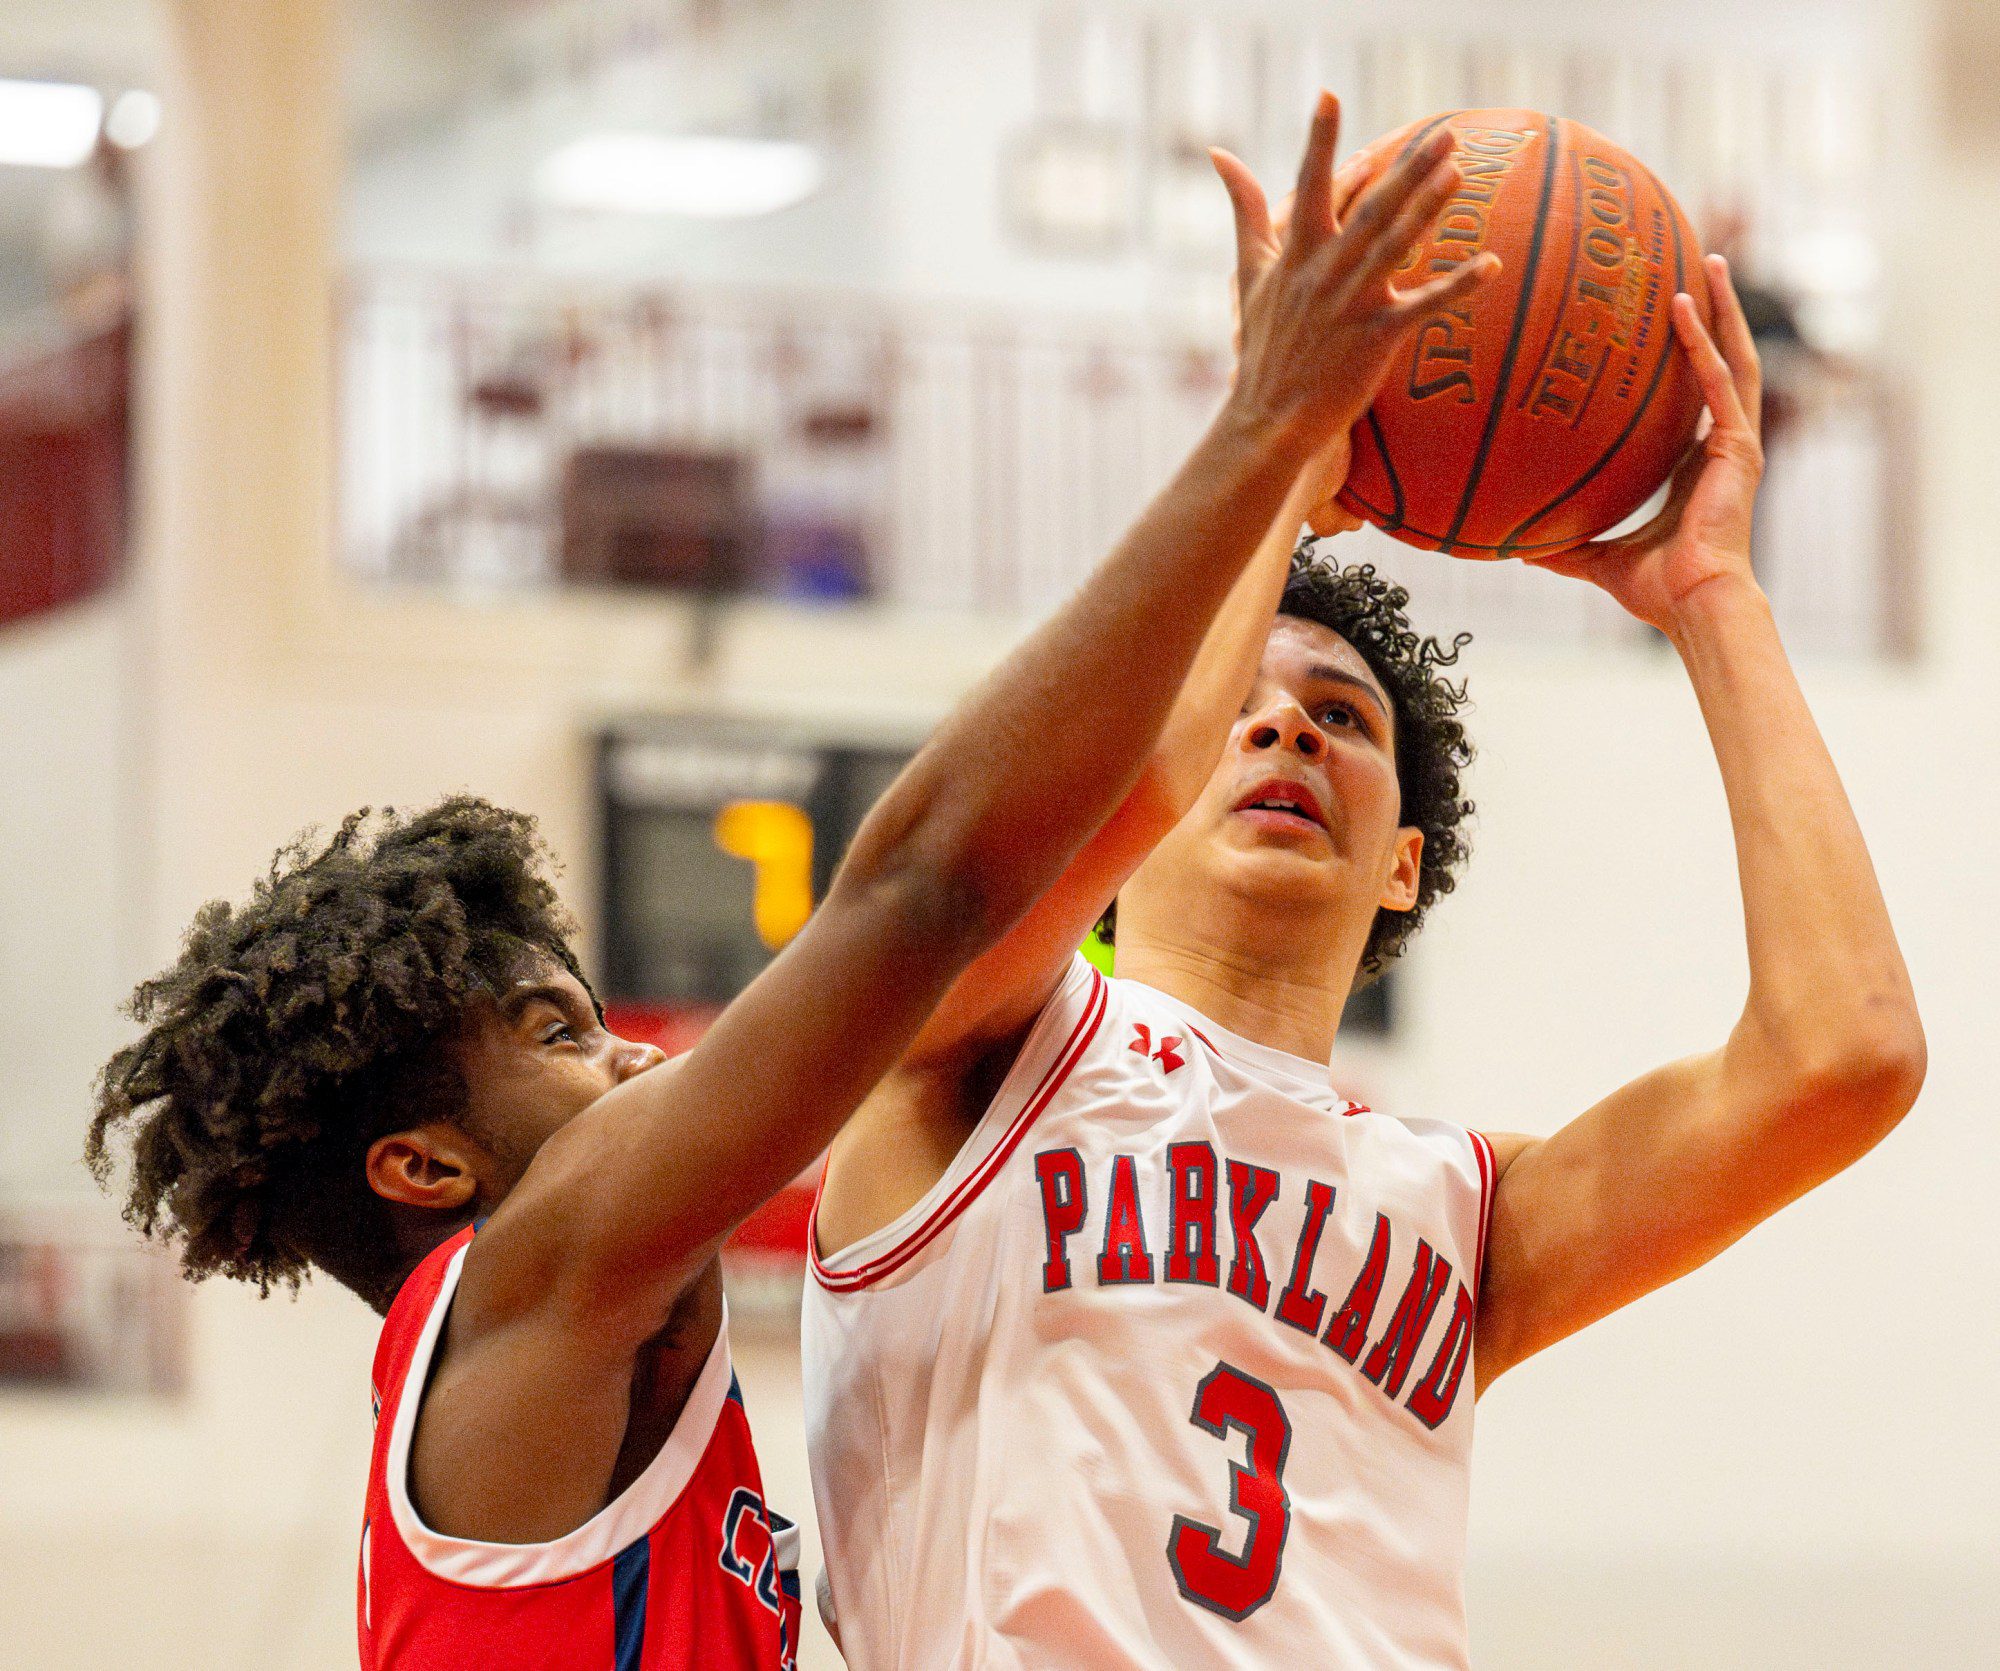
{"x":652,"y":413}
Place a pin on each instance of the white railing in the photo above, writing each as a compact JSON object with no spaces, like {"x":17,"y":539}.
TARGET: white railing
{"x":982,"y":462}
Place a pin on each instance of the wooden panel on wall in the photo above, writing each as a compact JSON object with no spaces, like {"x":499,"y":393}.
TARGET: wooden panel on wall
{"x":64,"y":472}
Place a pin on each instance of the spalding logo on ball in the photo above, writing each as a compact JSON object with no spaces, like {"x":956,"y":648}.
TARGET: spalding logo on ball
{"x":1550,"y":405}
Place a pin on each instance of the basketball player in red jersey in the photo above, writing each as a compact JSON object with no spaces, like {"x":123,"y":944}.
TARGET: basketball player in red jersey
{"x":1078,"y":1267}
{"x":387,"y":1066}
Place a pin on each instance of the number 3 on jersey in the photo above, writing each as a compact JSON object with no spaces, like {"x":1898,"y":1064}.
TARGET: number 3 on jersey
{"x":1208,"y":1575}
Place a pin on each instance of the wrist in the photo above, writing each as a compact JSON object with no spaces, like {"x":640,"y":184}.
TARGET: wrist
{"x":1257,"y":435}
{"x":1250,"y":467}
{"x":1716,"y":605}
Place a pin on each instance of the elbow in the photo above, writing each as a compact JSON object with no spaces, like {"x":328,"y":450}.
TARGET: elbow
{"x":1886,"y":1059}
{"x":917,"y":886}
{"x":1889,"y":1074}
{"x":1856,"y":1089}
{"x":958,"y":891}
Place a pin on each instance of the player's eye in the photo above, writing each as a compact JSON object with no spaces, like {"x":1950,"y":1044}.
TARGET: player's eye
{"x":1339,"y":714}
{"x":558,"y":1033}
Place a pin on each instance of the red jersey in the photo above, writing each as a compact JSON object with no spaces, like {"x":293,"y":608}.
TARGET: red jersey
{"x":686,"y":1568}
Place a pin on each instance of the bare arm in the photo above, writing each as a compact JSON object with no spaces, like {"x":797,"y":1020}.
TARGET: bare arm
{"x":630,"y":1199}
{"x":599,"y":1249}
{"x":1002,"y":992}
{"x":1828,"y":1054}
{"x":1006,"y":988}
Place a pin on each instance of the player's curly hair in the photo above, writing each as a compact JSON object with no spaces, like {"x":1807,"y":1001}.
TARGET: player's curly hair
{"x":1370,"y":611}
{"x":298,"y":1027}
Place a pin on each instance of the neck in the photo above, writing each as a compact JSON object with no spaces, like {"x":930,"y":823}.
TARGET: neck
{"x":418,"y":1232}
{"x":1281,"y":990}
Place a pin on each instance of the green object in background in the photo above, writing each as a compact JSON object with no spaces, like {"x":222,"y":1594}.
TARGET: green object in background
{"x":1368,"y":1008}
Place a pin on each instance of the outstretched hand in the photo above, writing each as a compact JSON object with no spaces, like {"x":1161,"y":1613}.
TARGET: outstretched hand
{"x":1703,"y":531}
{"x":1318,"y":320}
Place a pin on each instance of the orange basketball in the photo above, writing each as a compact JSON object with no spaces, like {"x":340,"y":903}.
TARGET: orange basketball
{"x":1553,"y":403}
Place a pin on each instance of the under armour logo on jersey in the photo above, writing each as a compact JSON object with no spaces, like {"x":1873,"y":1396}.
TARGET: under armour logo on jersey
{"x":1168,"y":1055}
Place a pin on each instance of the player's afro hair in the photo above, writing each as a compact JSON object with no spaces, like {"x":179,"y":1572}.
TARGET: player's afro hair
{"x":298,"y":1027}
{"x":1370,"y":612}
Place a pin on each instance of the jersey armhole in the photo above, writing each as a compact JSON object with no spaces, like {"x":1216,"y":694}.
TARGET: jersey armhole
{"x":628,"y":1517}
{"x":1054,"y":1045}
{"x":1489,"y":1177}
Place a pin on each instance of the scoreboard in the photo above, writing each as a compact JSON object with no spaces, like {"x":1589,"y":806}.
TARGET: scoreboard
{"x":719,"y":838}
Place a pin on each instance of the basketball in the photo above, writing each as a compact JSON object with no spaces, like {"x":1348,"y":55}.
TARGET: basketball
{"x":1550,"y":405}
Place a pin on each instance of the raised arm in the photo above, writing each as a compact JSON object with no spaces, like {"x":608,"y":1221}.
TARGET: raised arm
{"x":1006,"y":987}
{"x":630,"y":1199}
{"x":1829,"y":1053}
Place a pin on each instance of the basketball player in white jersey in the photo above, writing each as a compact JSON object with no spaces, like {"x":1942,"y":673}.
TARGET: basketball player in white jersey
{"x":1130,"y":1340}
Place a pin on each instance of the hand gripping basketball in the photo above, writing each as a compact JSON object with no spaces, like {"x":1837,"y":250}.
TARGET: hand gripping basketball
{"x":1703,"y":531}
{"x":1319,"y":320}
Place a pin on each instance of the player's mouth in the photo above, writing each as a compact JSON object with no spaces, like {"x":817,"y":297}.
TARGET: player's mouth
{"x":1281,"y":804}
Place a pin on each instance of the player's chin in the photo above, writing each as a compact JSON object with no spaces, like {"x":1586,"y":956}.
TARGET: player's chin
{"x":1289,"y":861}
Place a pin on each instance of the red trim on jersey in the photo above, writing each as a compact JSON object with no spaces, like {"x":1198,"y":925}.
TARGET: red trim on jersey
{"x":1489,"y":1172}
{"x":941,"y":1216}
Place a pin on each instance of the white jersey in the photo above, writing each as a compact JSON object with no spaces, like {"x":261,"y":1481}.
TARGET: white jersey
{"x":1171,"y":1368}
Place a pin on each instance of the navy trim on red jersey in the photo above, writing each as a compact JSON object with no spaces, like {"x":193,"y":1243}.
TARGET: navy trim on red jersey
{"x":631,"y":1575}
{"x":599,"y":1540}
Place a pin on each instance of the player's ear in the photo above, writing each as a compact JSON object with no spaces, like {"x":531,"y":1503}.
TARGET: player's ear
{"x":432,"y":1165}
{"x":1399,"y":890}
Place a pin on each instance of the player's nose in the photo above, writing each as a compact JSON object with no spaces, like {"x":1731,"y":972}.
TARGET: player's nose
{"x":634,"y":1058}
{"x":1284,"y":725}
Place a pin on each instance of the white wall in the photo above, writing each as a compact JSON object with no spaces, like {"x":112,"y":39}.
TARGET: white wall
{"x":68,"y":761}
{"x":1803,"y":1409}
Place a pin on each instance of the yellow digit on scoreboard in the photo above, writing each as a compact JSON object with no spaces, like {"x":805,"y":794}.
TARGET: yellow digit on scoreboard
{"x":776,"y":839}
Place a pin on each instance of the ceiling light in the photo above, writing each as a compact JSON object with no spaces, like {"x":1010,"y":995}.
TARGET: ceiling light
{"x":48,"y":124}
{"x":664,"y":174}
{"x":134,"y":119}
